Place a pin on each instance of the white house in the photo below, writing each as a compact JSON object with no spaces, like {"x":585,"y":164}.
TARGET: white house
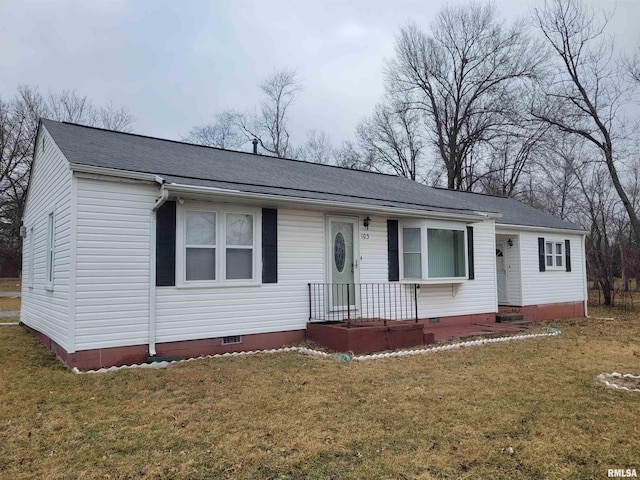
{"x":136,"y":247}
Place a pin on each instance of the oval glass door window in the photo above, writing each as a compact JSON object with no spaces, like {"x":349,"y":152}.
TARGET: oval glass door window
{"x":339,"y":252}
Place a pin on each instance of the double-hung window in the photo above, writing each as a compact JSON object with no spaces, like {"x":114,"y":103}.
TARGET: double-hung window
{"x":554,"y":256}
{"x":50,"y":251}
{"x":30,"y":257}
{"x":200,"y":245}
{"x":412,"y":252}
{"x":239,"y":246}
{"x":433,"y":251}
{"x":219,"y":246}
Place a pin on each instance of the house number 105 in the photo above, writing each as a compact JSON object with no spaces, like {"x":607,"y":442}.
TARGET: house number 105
{"x":364,"y":236}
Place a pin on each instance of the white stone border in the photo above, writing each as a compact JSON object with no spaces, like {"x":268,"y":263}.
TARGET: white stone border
{"x":606,"y":378}
{"x":340,"y":357}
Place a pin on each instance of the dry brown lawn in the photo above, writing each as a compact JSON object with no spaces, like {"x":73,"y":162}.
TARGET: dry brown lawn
{"x":10,"y":284}
{"x":8,"y":303}
{"x":518,"y":410}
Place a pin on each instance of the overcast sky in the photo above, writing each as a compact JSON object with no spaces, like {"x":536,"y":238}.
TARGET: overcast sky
{"x":175,"y":63}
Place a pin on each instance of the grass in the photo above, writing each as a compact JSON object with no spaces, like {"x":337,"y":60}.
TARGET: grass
{"x":10,"y":284}
{"x":518,"y":410}
{"x":8,"y":304}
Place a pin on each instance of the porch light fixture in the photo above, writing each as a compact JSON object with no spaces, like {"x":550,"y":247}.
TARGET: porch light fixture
{"x":510,"y":243}
{"x":366,"y":222}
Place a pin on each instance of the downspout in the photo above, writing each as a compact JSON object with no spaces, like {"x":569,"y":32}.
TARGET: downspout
{"x":164,"y":195}
{"x":584,"y":277}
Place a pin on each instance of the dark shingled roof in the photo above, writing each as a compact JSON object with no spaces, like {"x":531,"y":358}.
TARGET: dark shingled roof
{"x":187,"y":164}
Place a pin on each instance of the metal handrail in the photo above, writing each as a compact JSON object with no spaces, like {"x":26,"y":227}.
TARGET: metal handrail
{"x":362,"y":302}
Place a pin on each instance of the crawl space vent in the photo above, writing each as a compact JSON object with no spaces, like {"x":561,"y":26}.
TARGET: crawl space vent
{"x":231,"y":340}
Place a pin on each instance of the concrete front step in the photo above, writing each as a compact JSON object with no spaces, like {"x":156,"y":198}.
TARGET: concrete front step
{"x":449,"y":332}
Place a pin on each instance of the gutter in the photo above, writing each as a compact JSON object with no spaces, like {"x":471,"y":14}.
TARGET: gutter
{"x":391,"y":211}
{"x":183,"y":188}
{"x":162,"y":198}
{"x":533,"y":228}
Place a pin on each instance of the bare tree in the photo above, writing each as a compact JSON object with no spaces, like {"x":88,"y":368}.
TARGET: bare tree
{"x":632,"y":65}
{"x":223,"y":132}
{"x":394,"y":136}
{"x":586,"y":93}
{"x":462,"y":77}
{"x":69,"y":106}
{"x":269,"y":125}
{"x":318,"y":148}
{"x":18,"y":125}
{"x":352,"y":156}
{"x":601,"y":209}
{"x":114,"y":118}
{"x":510,"y":157}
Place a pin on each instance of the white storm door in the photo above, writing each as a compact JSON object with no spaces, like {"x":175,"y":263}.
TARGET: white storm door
{"x":501,"y":273}
{"x":343,"y":261}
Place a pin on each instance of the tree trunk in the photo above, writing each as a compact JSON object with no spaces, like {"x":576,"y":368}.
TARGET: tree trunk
{"x":607,"y":292}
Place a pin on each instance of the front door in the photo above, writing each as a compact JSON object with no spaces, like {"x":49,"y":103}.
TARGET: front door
{"x":501,"y":272}
{"x":343,"y":261}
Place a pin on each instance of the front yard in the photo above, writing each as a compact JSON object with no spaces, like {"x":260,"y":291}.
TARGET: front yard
{"x":526,"y":409}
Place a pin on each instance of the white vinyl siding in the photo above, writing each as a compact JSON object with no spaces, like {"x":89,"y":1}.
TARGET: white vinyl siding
{"x":184,"y":313}
{"x":555,"y":285}
{"x":113,"y":254}
{"x":47,"y":309}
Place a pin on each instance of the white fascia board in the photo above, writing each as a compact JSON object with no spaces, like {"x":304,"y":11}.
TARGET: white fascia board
{"x":112,"y":172}
{"x":532,"y":228}
{"x":390,"y":211}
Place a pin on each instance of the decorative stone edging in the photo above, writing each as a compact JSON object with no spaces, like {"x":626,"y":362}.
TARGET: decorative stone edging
{"x":340,"y":357}
{"x":608,"y":379}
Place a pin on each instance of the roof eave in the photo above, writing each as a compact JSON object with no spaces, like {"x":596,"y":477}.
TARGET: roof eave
{"x":534,"y":228}
{"x":237,"y":194}
{"x":367,"y":208}
{"x":113,"y":172}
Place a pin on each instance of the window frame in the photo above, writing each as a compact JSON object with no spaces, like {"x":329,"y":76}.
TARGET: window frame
{"x":226,"y":246}
{"x":420,"y":252}
{"x":50,"y":249}
{"x":221,"y":212}
{"x":425,"y":226}
{"x":214,"y":246}
{"x":30,"y":256}
{"x":554,"y":256}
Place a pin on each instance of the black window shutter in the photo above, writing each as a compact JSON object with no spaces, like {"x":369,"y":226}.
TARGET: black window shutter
{"x":166,"y":245}
{"x":567,"y":254}
{"x":269,"y":245}
{"x":392,"y":250}
{"x":541,"y":260}
{"x":472,"y":272}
